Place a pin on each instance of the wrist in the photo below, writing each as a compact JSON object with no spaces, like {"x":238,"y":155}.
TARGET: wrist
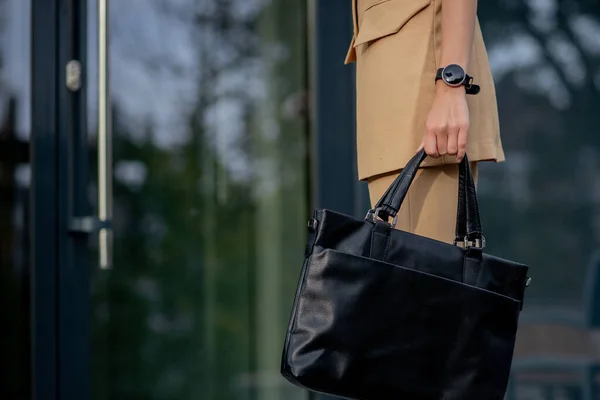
{"x":442,"y":88}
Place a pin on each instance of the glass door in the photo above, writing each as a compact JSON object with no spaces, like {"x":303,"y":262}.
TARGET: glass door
{"x":203,"y":120}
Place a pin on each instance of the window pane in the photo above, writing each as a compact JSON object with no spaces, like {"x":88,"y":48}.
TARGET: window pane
{"x":542,"y":206}
{"x":211,"y":199}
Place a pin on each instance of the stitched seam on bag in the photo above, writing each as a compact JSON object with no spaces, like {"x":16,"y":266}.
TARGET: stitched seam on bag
{"x":386,"y":244}
{"x":301,"y":288}
{"x":395,"y":190}
{"x":373,"y":233}
{"x":476,"y":273}
{"x":464,"y":271}
{"x":400,"y":184}
{"x":372,"y":241}
{"x":473,"y":194}
{"x":302,"y":284}
{"x":410,"y":218}
{"x":456,"y":234}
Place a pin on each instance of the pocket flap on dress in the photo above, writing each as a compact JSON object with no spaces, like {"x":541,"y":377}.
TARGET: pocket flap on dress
{"x":386,"y":18}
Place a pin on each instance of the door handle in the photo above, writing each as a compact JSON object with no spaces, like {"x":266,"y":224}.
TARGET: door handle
{"x":105,"y":182}
{"x":102,"y":222}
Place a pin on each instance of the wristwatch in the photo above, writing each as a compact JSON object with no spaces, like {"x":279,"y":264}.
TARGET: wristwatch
{"x":454,"y":75}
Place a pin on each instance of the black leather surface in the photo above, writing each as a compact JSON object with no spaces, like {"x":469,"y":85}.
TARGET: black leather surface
{"x":385,"y":314}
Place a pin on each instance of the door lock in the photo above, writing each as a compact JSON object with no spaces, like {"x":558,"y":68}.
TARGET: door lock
{"x":73,"y":77}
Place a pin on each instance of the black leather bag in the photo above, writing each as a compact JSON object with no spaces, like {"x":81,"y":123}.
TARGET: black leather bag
{"x":384,"y":314}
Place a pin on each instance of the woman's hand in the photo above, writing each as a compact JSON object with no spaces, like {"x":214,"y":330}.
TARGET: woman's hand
{"x":447,"y":125}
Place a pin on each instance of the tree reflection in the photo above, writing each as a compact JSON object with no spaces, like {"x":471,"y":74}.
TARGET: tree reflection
{"x":209,"y":217}
{"x":543,"y":207}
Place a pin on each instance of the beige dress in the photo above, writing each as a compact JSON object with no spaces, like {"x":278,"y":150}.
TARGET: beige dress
{"x":396,"y":45}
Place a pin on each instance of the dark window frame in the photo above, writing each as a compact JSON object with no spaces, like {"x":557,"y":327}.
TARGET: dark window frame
{"x":59,"y":286}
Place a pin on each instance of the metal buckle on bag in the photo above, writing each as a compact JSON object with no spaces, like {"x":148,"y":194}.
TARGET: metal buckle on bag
{"x":374,"y":213}
{"x":478,"y":243}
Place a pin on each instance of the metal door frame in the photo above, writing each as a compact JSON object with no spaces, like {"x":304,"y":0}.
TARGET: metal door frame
{"x":59,"y":287}
{"x":44,"y":215}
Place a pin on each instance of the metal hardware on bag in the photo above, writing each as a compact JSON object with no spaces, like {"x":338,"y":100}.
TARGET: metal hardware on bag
{"x":375,"y":215}
{"x":478,"y":243}
{"x":313,"y":224}
{"x":528,"y":281}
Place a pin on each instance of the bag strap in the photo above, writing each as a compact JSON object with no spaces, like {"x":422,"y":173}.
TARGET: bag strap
{"x":389,"y":204}
{"x":468,"y":223}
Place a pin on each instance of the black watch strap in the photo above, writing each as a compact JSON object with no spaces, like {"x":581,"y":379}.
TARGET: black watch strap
{"x":470,"y":87}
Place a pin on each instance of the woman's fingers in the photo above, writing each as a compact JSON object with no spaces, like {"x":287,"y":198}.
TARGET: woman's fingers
{"x":442,"y":144}
{"x":447,"y":125}
{"x":453,"y":140}
{"x":430,"y":144}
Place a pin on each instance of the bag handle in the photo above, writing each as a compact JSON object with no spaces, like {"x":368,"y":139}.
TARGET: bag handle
{"x":389,"y":204}
{"x":468,"y":223}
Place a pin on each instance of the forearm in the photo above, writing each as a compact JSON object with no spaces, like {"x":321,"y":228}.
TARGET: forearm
{"x":458,"y":27}
{"x":447,"y":124}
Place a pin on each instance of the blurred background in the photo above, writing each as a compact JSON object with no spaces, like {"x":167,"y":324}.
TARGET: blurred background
{"x":231,"y":120}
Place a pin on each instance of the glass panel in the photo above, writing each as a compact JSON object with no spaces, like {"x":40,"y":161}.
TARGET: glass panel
{"x":210,"y":198}
{"x":15,"y":70}
{"x":542,"y":206}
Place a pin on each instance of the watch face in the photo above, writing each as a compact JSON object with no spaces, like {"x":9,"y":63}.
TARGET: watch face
{"x":454,"y":75}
